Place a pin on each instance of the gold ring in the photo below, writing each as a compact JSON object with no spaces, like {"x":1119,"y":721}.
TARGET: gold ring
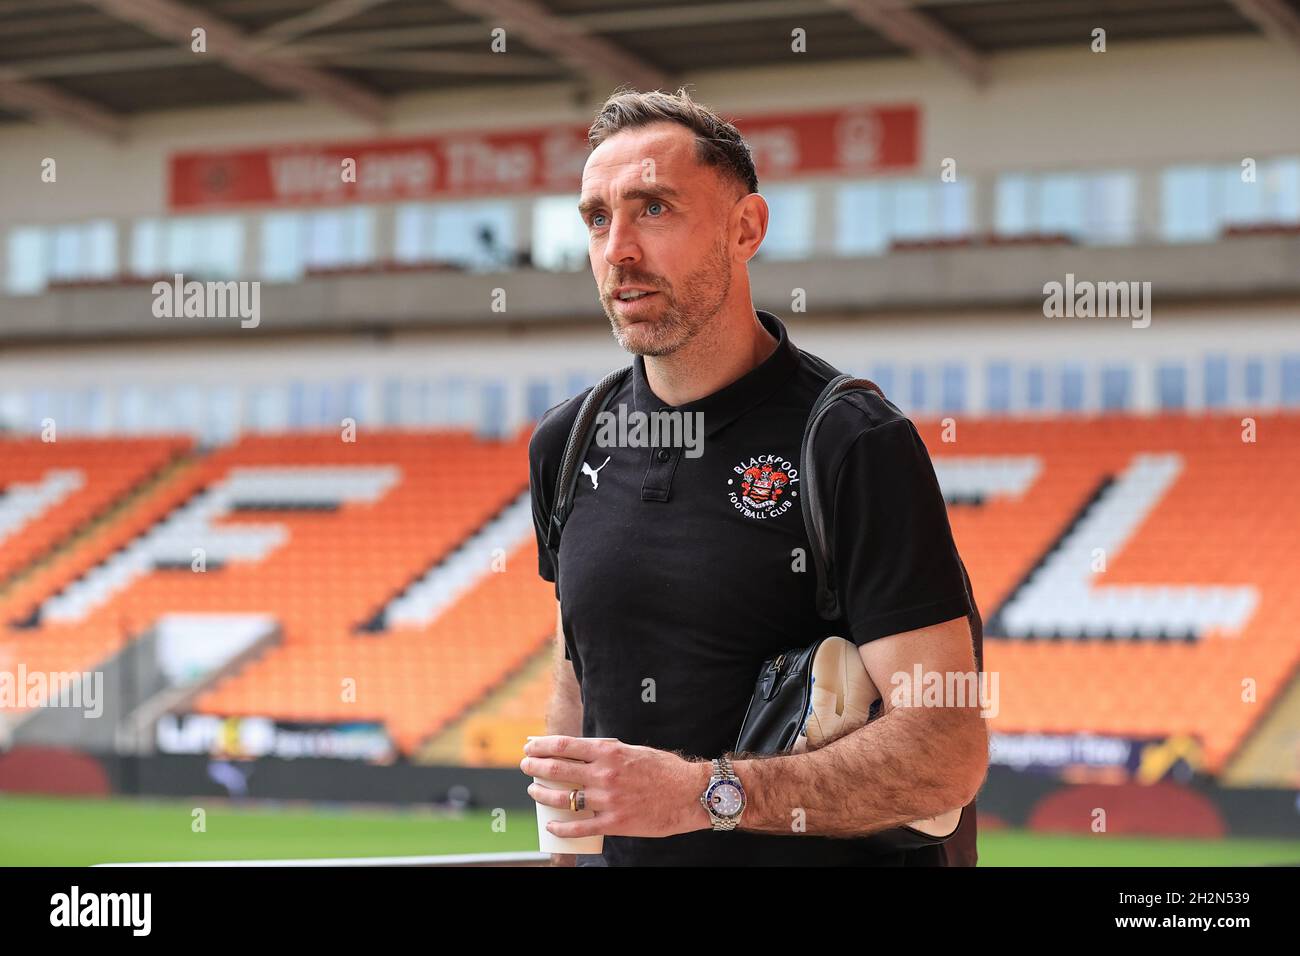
{"x":573,"y":801}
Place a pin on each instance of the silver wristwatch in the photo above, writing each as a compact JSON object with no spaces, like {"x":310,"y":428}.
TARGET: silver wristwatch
{"x":724,"y":797}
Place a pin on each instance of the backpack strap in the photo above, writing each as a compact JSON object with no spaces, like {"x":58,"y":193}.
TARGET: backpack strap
{"x":814,"y":514}
{"x":575,"y":450}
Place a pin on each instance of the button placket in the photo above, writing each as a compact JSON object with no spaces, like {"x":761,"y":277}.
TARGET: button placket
{"x":658,"y":481}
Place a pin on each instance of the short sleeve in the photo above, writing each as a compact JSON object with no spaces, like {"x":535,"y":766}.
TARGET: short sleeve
{"x":895,"y":564}
{"x":545,"y":449}
{"x":540,"y":490}
{"x":540,"y":481}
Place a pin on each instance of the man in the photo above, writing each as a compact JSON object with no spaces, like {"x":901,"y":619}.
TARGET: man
{"x":679,"y":573}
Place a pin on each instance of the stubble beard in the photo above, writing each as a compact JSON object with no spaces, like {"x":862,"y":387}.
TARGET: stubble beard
{"x":681,"y":317}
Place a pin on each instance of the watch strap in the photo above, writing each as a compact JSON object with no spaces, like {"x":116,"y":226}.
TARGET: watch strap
{"x":722,"y":771}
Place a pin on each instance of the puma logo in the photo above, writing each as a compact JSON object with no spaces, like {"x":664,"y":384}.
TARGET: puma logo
{"x":593,"y":474}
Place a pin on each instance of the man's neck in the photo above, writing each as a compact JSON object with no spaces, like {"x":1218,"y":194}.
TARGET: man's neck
{"x":716,"y":357}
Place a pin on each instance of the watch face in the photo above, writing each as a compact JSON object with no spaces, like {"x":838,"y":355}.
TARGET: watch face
{"x":726,"y":799}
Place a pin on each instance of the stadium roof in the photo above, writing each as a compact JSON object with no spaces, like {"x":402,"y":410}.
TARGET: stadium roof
{"x":96,"y":62}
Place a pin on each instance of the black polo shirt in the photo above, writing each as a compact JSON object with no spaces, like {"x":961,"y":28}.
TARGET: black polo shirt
{"x":680,"y":575}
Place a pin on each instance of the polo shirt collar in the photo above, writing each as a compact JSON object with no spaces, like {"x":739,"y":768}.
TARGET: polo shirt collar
{"x":731,"y":401}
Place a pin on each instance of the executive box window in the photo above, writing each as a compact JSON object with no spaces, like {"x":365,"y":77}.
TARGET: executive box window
{"x":1253,"y":379}
{"x":1216,"y":381}
{"x":40,"y":255}
{"x":577,"y":381}
{"x":198,"y":247}
{"x":1291,"y":380}
{"x":872,"y":215}
{"x":883,"y":375}
{"x":266,"y":408}
{"x":295,"y":242}
{"x":790,"y":223}
{"x":324,"y":404}
{"x":918,"y":391}
{"x":560,"y":238}
{"x":952,"y":385}
{"x":1091,"y":207}
{"x":477,"y":236}
{"x":1116,"y":388}
{"x":998,"y":388}
{"x":1171,"y":386}
{"x":492,"y":409}
{"x":221,"y":414}
{"x":1199,"y":201}
{"x":537,"y":398}
{"x":1072,"y":388}
{"x":1035,"y":388}
{"x":391,"y":402}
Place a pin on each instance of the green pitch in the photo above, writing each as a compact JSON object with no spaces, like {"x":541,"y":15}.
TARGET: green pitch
{"x":55,"y":831}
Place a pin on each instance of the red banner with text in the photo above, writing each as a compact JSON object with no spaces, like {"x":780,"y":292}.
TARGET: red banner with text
{"x":853,"y":140}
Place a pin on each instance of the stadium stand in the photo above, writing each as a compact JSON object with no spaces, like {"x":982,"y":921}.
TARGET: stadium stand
{"x":1120,"y":477}
{"x":1154,"y":659}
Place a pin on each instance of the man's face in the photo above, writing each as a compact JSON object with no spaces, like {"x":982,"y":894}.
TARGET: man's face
{"x":657,"y":220}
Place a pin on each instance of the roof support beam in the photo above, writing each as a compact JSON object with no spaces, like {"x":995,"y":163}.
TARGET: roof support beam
{"x":469,"y":64}
{"x":286,"y":31}
{"x":1274,"y":18}
{"x":585,"y":54}
{"x":175,"y":22}
{"x":40,"y":99}
{"x":898,"y":22}
{"x":331,"y":47}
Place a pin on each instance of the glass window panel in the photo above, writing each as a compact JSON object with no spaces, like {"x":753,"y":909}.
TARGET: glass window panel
{"x":954,"y":388}
{"x":859,"y":229}
{"x":99,"y":252}
{"x":1035,"y":388}
{"x":1171,"y":386}
{"x":910,"y":210}
{"x":1061,"y":204}
{"x":1216,"y":381}
{"x":65,"y":252}
{"x":953,"y":201}
{"x":1291,"y":380}
{"x":1254,"y":380}
{"x":560,"y":238}
{"x":789,"y":233}
{"x":998,"y":396}
{"x":1116,"y":387}
{"x":26,"y":261}
{"x":1187,"y":204}
{"x":1012,"y":215}
{"x":1072,"y":385}
{"x":282,"y":246}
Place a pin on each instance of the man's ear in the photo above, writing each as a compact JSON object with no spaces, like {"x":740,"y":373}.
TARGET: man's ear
{"x":751,"y":215}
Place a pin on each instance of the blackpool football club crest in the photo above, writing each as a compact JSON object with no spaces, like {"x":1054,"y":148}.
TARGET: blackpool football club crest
{"x":763,"y":486}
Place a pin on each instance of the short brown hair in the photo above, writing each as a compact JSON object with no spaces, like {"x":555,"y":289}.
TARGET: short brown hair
{"x":717,"y":142}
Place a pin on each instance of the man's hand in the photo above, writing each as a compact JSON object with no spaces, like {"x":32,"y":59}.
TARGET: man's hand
{"x":635,"y":791}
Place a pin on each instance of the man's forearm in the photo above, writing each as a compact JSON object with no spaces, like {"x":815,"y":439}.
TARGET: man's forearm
{"x":911,"y":764}
{"x":564,"y":714}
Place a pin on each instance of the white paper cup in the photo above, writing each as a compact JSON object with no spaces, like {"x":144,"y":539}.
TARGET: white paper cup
{"x":547,"y":841}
